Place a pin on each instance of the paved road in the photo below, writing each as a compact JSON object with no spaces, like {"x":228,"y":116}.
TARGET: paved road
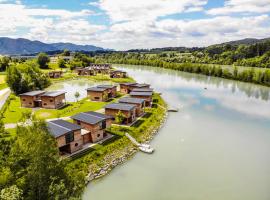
{"x":3,"y":96}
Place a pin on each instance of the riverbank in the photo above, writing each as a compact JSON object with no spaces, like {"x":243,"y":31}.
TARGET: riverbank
{"x":107,"y":156}
{"x":251,"y":75}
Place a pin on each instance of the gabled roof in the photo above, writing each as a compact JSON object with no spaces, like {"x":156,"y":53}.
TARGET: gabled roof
{"x":106,"y":86}
{"x":33,"y":93}
{"x":96,"y":89}
{"x":53,"y":93}
{"x":141,"y":93}
{"x":140,"y":85}
{"x":143,"y":90}
{"x":60,"y":127}
{"x":128,"y":84}
{"x":120,"y":106}
{"x":90,"y":117}
{"x":131,"y":100}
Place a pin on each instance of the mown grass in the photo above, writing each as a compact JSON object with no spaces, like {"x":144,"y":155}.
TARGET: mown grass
{"x":106,"y":153}
{"x":14,"y":111}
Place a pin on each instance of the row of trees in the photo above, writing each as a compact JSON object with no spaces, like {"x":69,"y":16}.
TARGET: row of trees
{"x":30,"y":167}
{"x":248,"y":75}
{"x":26,"y":77}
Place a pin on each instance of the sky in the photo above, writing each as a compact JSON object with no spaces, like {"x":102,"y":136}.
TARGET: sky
{"x":132,"y":24}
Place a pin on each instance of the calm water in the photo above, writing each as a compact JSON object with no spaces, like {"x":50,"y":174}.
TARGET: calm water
{"x":216,"y":148}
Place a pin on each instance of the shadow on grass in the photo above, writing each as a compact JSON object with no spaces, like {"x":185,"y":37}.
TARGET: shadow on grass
{"x":137,"y":123}
{"x":82,"y":153}
{"x":147,"y":115}
{"x":111,"y":140}
{"x":154,"y":106}
{"x":65,"y":106}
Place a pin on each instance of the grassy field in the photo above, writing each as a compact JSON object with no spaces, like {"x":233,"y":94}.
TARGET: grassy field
{"x":14,"y":111}
{"x":2,"y":79}
{"x":71,"y":109}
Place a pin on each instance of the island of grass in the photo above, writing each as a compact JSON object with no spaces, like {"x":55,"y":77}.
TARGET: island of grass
{"x":101,"y":158}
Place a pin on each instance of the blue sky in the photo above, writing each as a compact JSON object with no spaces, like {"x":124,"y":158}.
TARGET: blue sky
{"x":126,"y":24}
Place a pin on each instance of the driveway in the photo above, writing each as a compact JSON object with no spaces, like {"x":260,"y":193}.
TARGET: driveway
{"x":4,"y":94}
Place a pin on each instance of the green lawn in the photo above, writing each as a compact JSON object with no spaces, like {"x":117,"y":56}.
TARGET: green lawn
{"x":3,"y":86}
{"x":14,"y":111}
{"x":2,"y":79}
{"x":100,"y":77}
{"x":72,"y":109}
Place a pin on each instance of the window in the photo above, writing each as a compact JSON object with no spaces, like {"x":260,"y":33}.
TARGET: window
{"x":76,"y":144}
{"x":96,"y":98}
{"x":30,"y":103}
{"x":98,"y":135}
{"x":23,"y":99}
{"x":45,"y":104}
{"x":69,"y":137}
{"x":51,"y":100}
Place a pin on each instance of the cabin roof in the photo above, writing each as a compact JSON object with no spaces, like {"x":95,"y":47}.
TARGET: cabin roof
{"x":53,"y":93}
{"x":33,"y":93}
{"x":143,"y":90}
{"x":90,"y":117}
{"x":131,"y":100}
{"x":96,"y":89}
{"x":142,"y":85}
{"x":106,"y":86}
{"x":141,"y":93}
{"x":128,"y":84}
{"x":120,"y":106}
{"x":60,"y":127}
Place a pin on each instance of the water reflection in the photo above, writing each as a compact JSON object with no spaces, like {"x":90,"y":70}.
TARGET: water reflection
{"x":189,"y":89}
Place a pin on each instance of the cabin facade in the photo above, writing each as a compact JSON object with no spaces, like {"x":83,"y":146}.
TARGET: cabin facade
{"x":143,"y":95}
{"x":94,"y":125}
{"x":102,"y":92}
{"x":31,"y":99}
{"x":68,"y":136}
{"x":128,"y":110}
{"x":85,"y":71}
{"x":118,"y":74}
{"x":55,"y":74}
{"x":53,"y":99}
{"x":126,"y":88}
{"x":139,"y":103}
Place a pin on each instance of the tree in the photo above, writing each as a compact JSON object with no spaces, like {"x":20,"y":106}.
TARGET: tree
{"x":36,"y":165}
{"x":26,"y":77}
{"x":4,"y":63}
{"x":119,"y":118}
{"x":43,"y":60}
{"x":11,"y":193}
{"x":61,"y":63}
{"x":66,"y":52}
{"x":77,"y":95}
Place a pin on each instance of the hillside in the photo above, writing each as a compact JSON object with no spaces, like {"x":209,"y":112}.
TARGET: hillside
{"x":9,"y":46}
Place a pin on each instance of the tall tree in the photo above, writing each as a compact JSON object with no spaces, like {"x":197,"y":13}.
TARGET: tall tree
{"x":43,"y":60}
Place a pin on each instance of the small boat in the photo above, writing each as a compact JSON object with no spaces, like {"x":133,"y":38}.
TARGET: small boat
{"x":145,"y":145}
{"x":146,"y":150}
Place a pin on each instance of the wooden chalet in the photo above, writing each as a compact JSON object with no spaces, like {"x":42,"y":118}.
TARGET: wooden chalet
{"x":31,"y":99}
{"x":118,"y":74}
{"x":126,"y":88}
{"x":86,"y":71}
{"x":93,"y":124}
{"x":139,"y":103}
{"x":143,"y":95}
{"x":53,"y":99}
{"x":101,"y":92}
{"x":55,"y":74}
{"x":128,"y":110}
{"x":67,"y":135}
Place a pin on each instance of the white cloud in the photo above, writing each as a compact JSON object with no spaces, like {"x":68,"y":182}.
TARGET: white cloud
{"x":48,"y":25}
{"x":119,"y":10}
{"x":169,"y":32}
{"x":242,"y":6}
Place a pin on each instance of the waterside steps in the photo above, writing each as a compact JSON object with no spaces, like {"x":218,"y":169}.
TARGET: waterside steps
{"x":143,"y":147}
{"x":169,"y":109}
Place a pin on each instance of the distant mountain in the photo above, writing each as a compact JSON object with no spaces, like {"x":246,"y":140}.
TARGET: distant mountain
{"x":9,"y":46}
{"x":246,"y":41}
{"x":75,"y":47}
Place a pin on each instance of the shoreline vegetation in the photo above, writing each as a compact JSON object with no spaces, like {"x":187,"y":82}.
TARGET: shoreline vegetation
{"x":103,"y":158}
{"x":251,"y":75}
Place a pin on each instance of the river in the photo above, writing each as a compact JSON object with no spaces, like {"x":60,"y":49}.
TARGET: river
{"x":216,"y":148}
